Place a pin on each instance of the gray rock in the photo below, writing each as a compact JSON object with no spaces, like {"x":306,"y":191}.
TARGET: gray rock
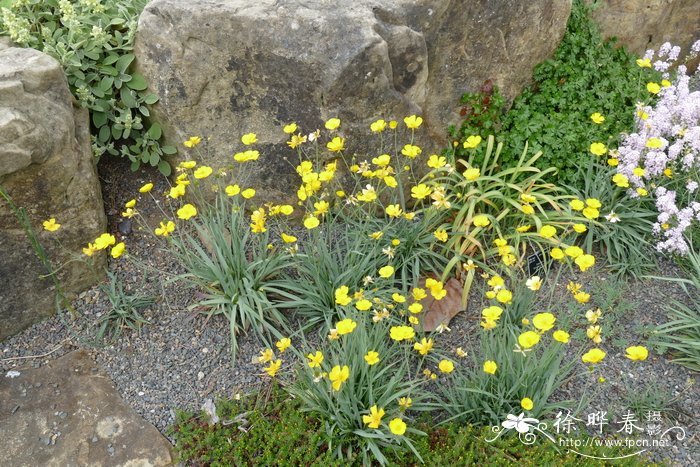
{"x":226,"y":68}
{"x":47,"y":168}
{"x":646,"y":24}
{"x":97,"y":420}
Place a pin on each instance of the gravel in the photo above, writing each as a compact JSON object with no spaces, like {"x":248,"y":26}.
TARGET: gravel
{"x":182,"y":358}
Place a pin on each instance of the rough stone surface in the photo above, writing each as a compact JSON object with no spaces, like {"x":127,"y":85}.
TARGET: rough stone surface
{"x":646,"y":24}
{"x":68,"y":413}
{"x":47,"y":168}
{"x":225,"y":68}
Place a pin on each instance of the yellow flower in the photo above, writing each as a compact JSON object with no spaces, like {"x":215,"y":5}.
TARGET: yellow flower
{"x":296,"y":140}
{"x":582,"y":297}
{"x":368,"y":194}
{"x":203,"y":172}
{"x":363,"y":305}
{"x":544,"y":321}
{"x":599,"y":149}
{"x":593,"y":333}
{"x":526,"y":403}
{"x":612,"y":162}
{"x":396,"y":241}
{"x":460,"y":352}
{"x":413,"y":122}
{"x":597,"y":118}
{"x":593,"y":203}
{"x":504,"y":296}
{"x":372,"y":357}
{"x":440,"y":235}
{"x":481,"y":221}
{"x":386,"y":272}
{"x":654,"y":143}
{"x":420,"y":191}
{"x":397,"y":426}
{"x":393,"y":124}
{"x":130,"y":204}
{"x":192,"y":141}
{"x":399,"y":333}
{"x":337,"y":144}
{"x":376,"y":235}
{"x":315,"y":360}
{"x":165,"y":228}
{"x":249,"y":138}
{"x":338,"y":376}
{"x":557,"y":253}
{"x":639,"y":172}
{"x":644,"y":63}
{"x":405,"y":403}
{"x":573,"y":251}
{"x":378,"y":126}
{"x":621,"y":180}
{"x":411,"y":151}
{"x":186,"y":212}
{"x":593,"y":316}
{"x":273,"y":368}
{"x":585,"y":261}
{"x":642,"y":191}
{"x":424,"y":346}
{"x":472,"y":174}
{"x":418,"y":294}
{"x":332,"y":124}
{"x":187,"y":164}
{"x":534,"y":283}
{"x":265,"y":356}
{"x":232,"y":190}
{"x":527,"y":198}
{"x":288,"y":238}
{"x":248,"y":193}
{"x":528,"y":339}
{"x":593,"y":356}
{"x":394,"y":210}
{"x":345,"y":326}
{"x":283,"y":344}
{"x":527,"y":209}
{"x":89,"y":250}
{"x":290,"y":128}
{"x":579,"y":228}
{"x":341,"y":295}
{"x":117,"y":250}
{"x":415,"y":308}
{"x":436,"y":161}
{"x":471,"y":142}
{"x":653,"y":88}
{"x":446,"y":366}
{"x":374,"y":419}
{"x":561,"y":336}
{"x":576,"y":204}
{"x":492,"y":313}
{"x":105,"y":240}
{"x":246,"y":156}
{"x":548,"y":231}
{"x":523,"y":228}
{"x":51,"y":225}
{"x":146,"y":188}
{"x":637,"y":353}
{"x":490,"y":367}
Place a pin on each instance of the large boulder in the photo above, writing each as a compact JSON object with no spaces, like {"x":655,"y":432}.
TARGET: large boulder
{"x":47,"y":168}
{"x":646,"y":24}
{"x":225,"y":68}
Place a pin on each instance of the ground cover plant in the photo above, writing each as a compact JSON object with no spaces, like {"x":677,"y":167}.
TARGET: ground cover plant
{"x":93,"y":41}
{"x":585,"y":75}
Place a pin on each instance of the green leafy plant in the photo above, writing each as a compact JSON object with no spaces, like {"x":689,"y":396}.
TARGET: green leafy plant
{"x":261,"y":429}
{"x":585,"y":75}
{"x":93,"y":42}
{"x":123,"y":311}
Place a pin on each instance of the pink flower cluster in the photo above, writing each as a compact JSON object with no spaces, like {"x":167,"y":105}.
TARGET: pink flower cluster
{"x":666,"y":146}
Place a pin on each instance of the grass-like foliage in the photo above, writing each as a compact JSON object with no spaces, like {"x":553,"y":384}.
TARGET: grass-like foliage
{"x":123,"y":309}
{"x":681,"y":334}
{"x":93,"y":41}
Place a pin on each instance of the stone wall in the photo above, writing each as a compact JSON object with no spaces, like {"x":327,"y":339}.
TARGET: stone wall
{"x":46,"y":167}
